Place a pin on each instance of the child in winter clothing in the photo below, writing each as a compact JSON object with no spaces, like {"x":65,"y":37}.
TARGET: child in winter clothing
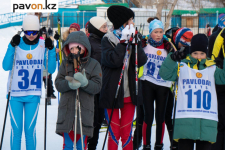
{"x":196,"y":110}
{"x":27,"y":80}
{"x":97,"y":29}
{"x":73,"y":27}
{"x":154,"y":87}
{"x":67,"y":82}
{"x":113,"y":53}
{"x":182,"y":38}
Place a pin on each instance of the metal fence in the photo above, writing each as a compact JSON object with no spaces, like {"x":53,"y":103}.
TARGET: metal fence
{"x":83,"y":17}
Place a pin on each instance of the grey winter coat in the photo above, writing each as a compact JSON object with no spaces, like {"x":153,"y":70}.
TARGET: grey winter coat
{"x":66,"y":109}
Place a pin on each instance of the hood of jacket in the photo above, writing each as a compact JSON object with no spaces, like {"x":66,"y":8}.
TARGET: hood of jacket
{"x":65,"y":34}
{"x":77,"y":37}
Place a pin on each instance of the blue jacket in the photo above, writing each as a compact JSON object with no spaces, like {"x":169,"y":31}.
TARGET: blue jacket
{"x":7,"y":65}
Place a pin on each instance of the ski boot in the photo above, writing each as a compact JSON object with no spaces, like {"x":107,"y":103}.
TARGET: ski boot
{"x":49,"y":101}
{"x":53,"y":96}
{"x":147,"y":147}
{"x":175,"y":145}
{"x":158,"y":147}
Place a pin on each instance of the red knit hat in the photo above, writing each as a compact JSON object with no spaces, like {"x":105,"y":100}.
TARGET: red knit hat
{"x":76,"y":26}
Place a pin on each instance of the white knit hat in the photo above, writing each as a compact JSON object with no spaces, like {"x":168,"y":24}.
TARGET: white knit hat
{"x":31,"y":22}
{"x":97,"y":22}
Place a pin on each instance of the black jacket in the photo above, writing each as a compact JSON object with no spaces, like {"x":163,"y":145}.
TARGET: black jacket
{"x":112,"y":62}
{"x":96,"y":48}
{"x":212,"y":40}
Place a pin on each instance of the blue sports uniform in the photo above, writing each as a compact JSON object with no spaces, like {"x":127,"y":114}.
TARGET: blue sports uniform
{"x":29,"y":103}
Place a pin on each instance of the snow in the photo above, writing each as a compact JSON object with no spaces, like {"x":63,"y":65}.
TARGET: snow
{"x":54,"y":141}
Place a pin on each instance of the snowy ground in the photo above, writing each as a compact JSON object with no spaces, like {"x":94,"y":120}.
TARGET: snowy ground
{"x":54,"y":141}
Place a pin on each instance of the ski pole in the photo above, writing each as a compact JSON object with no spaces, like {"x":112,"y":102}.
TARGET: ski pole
{"x":46,"y":99}
{"x":58,"y":64}
{"x":77,"y":68}
{"x":121,"y":76}
{"x":9,"y":92}
{"x":143,"y":29}
{"x":136,"y":80}
{"x":175,"y":104}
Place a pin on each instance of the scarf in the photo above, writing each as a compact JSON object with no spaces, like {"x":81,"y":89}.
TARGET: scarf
{"x":154,"y":43}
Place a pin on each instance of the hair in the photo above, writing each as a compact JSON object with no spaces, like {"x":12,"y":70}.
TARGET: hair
{"x":152,"y":18}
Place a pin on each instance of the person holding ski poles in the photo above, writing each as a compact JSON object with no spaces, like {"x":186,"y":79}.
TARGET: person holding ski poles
{"x":113,"y":54}
{"x":216,"y":52}
{"x":181,"y":38}
{"x":154,"y":87}
{"x":27,"y":80}
{"x":97,"y":28}
{"x":137,"y":141}
{"x":196,"y":112}
{"x":88,"y":81}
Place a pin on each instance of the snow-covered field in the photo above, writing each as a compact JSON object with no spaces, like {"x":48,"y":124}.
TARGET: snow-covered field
{"x":54,"y":141}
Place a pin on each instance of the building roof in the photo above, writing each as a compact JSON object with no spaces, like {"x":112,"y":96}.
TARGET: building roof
{"x":202,"y":11}
{"x":94,"y":7}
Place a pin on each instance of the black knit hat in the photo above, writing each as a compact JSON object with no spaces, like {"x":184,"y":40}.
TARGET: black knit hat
{"x":119,"y":15}
{"x":199,"y":42}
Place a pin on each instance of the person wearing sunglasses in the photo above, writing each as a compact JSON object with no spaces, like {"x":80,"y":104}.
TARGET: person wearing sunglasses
{"x":27,"y":80}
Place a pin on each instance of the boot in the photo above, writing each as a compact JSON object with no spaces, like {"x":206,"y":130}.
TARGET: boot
{"x":175,"y":145}
{"x":147,"y":147}
{"x":49,"y":101}
{"x":159,"y":147}
{"x":135,"y":144}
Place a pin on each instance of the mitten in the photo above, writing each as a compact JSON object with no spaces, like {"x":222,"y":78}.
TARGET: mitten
{"x":56,"y":36}
{"x":73,"y":84}
{"x":81,"y":77}
{"x":178,"y":55}
{"x":125,"y":34}
{"x":49,"y":43}
{"x":15,"y":40}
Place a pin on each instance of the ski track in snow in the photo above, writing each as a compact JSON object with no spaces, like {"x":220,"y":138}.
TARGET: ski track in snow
{"x":54,"y":141}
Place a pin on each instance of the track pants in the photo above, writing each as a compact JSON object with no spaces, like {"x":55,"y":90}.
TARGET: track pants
{"x":159,"y":94}
{"x":121,"y":127}
{"x":16,"y":109}
{"x":68,"y":139}
{"x":186,"y":144}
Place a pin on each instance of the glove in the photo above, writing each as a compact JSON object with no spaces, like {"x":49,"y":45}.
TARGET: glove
{"x":73,"y":84}
{"x":56,"y":36}
{"x":15,"y":40}
{"x":132,"y":30}
{"x":125,"y":34}
{"x":168,"y":47}
{"x":178,"y":55}
{"x":49,"y":44}
{"x":81,"y":77}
